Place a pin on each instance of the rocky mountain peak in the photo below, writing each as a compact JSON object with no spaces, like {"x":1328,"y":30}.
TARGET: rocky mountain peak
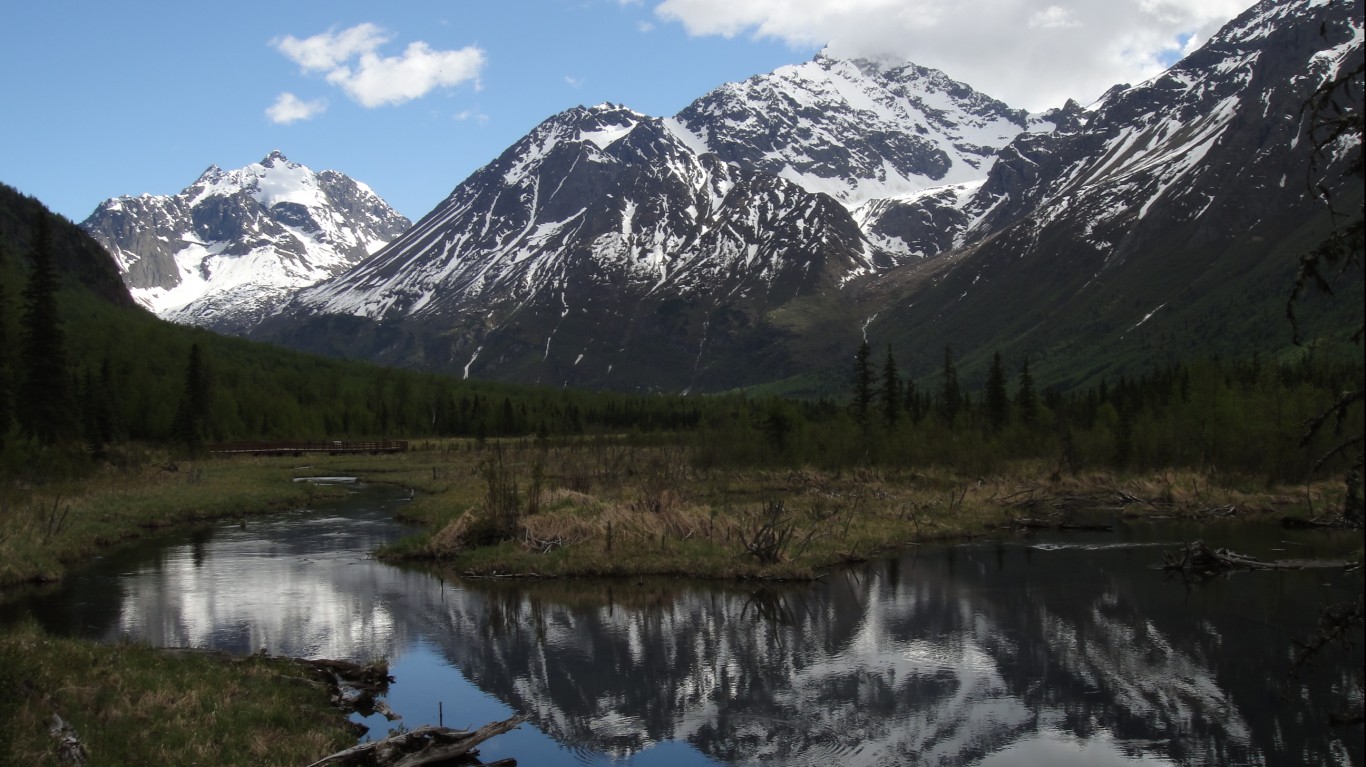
{"x":855,"y":129}
{"x":228,"y":248}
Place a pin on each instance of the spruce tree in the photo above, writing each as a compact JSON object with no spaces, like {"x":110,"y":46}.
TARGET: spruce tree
{"x":997,"y":400}
{"x":1026,"y":401}
{"x":913,"y":408}
{"x":94,"y":415}
{"x":950,"y":397}
{"x":44,"y":404}
{"x":891,"y":391}
{"x":6,"y":377}
{"x":192,"y":415}
{"x":863,"y":384}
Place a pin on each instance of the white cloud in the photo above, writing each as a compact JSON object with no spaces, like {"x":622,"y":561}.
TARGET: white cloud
{"x":352,"y":62}
{"x":574,"y":82}
{"x":1029,"y":53}
{"x":329,"y":50}
{"x":289,"y":108}
{"x":1052,"y":17}
{"x":465,"y":115}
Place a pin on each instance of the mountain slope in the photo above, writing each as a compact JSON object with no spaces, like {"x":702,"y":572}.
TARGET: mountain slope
{"x":226,"y":250}
{"x":599,"y":250}
{"x":737,"y":243}
{"x":1167,"y":225}
{"x":76,"y":257}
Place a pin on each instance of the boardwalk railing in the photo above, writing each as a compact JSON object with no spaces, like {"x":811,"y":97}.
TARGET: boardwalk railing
{"x":331,"y":447}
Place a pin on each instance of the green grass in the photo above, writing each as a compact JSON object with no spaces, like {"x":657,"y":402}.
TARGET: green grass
{"x":46,"y":528}
{"x":134,"y":705}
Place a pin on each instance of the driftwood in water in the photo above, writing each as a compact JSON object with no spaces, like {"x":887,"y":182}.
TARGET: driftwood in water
{"x":423,"y":746}
{"x":1335,"y":522}
{"x":1196,"y":556}
{"x":356,"y":687}
{"x":1200,"y":558}
{"x":369,"y":677}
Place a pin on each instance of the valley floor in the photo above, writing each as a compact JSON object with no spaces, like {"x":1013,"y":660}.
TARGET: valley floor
{"x":510,"y":508}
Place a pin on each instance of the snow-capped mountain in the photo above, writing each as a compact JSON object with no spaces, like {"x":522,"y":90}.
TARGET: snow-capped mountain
{"x":1167,"y":221}
{"x":606,"y":238}
{"x":765,"y":229}
{"x":857,"y":130}
{"x":599,"y":239}
{"x":229,"y":248}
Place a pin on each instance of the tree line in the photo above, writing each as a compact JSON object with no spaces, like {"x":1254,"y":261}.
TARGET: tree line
{"x":1245,"y":416}
{"x":80,"y":375}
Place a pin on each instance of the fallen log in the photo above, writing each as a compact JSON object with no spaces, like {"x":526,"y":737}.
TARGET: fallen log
{"x":1200,"y":558}
{"x":423,"y":746}
{"x":1331,"y":522}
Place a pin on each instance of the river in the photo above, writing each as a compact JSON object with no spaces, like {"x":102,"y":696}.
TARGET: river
{"x":1062,"y":649}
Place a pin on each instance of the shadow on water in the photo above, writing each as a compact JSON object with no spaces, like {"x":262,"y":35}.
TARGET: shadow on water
{"x":1048,"y":650}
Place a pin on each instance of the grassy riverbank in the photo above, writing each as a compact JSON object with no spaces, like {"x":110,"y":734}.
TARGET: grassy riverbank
{"x":130,"y":704}
{"x":590,"y":507}
{"x":611,"y":507}
{"x":605,"y":508}
{"x":46,"y":528}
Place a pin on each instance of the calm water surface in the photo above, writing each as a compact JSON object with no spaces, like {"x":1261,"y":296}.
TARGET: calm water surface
{"x":1062,"y":650}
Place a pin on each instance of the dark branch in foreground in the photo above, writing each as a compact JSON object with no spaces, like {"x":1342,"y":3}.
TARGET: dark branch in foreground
{"x":424,"y":746}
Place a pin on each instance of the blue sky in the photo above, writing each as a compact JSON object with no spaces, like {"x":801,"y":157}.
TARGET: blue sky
{"x":103,"y":99}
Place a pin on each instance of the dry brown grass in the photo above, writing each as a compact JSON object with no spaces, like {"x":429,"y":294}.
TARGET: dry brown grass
{"x":609,"y":510}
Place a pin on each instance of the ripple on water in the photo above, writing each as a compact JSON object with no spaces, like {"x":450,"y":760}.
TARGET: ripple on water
{"x":1054,"y":546}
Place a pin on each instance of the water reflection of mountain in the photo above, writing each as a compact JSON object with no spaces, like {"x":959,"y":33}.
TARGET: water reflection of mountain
{"x":297,"y":584}
{"x":941,"y":659}
{"x":944,"y":658}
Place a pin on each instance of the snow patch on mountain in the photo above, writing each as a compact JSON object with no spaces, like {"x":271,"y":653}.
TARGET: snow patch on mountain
{"x":856,"y":130}
{"x":229,"y":248}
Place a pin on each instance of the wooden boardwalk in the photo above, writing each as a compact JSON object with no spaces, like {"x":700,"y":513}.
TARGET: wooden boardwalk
{"x":331,"y":447}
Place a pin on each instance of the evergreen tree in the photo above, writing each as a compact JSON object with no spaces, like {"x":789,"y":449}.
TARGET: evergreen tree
{"x":863,"y":384}
{"x":1124,"y":436}
{"x":110,"y":428}
{"x":891,"y":391}
{"x":6,"y":378}
{"x":950,"y":397}
{"x":913,"y":407}
{"x":44,"y":402}
{"x":192,"y":415}
{"x":997,"y":400}
{"x":94,"y":415}
{"x":1026,"y":401}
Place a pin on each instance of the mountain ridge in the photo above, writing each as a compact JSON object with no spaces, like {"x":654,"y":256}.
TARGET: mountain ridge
{"x":746,"y":241}
{"x":226,"y":250}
